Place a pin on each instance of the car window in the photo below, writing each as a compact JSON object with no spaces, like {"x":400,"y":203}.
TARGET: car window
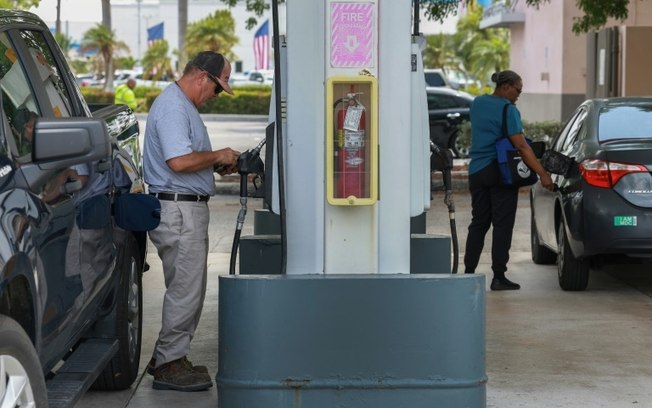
{"x":437,"y":101}
{"x":573,"y":132}
{"x":625,"y":122}
{"x":559,"y":142}
{"x":48,"y":72}
{"x":464,"y":103}
{"x":18,"y":101}
{"x":434,"y":79}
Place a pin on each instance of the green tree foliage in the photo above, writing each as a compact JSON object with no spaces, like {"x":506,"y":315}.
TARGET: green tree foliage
{"x":216,"y":32}
{"x":477,"y":53}
{"x":257,"y":7}
{"x":79,"y":65}
{"x":481,"y":51}
{"x":107,"y":45}
{"x":440,"y":52}
{"x":156,"y":62}
{"x":64,"y":41}
{"x":19,"y":4}
{"x":596,"y":13}
{"x":127,"y":62}
{"x":489,"y":56}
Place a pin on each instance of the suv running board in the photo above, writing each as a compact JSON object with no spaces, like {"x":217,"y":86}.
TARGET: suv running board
{"x":79,"y":372}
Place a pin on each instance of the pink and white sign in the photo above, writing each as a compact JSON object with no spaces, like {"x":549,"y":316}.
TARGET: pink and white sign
{"x":352,"y":35}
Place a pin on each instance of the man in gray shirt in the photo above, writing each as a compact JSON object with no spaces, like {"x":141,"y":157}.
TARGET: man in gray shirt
{"x":178,"y":163}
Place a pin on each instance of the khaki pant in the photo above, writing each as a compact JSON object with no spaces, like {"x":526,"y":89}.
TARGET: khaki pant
{"x":182,"y":243}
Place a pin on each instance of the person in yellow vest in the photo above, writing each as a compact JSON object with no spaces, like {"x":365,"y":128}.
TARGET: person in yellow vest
{"x":124,"y":94}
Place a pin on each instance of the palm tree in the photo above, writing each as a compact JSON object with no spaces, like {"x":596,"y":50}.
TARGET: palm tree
{"x":64,"y":41}
{"x":57,"y":26}
{"x":481,"y":51}
{"x":19,"y":4}
{"x":106,"y":22}
{"x":440,"y":52}
{"x":156,"y":62}
{"x":106,"y":13}
{"x":183,"y":24}
{"x":104,"y":41}
{"x":215,"y":32}
{"x":490,"y":56}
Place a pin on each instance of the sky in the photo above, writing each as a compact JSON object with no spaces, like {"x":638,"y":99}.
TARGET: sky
{"x":71,"y":10}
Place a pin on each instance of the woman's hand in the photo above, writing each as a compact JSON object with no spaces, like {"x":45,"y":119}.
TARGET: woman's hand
{"x":546,"y":181}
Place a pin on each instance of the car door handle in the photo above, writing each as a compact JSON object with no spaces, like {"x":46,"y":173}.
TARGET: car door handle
{"x":453,"y":115}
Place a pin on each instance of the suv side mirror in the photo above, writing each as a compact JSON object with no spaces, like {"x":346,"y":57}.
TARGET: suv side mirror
{"x":65,"y":142}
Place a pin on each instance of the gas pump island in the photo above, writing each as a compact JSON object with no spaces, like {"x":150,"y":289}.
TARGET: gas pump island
{"x":364,"y":311}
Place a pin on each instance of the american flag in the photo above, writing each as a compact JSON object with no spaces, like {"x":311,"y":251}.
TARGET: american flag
{"x":261,"y":46}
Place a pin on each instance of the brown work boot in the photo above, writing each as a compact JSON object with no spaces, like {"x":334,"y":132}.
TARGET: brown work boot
{"x":176,"y":375}
{"x":198,"y":369}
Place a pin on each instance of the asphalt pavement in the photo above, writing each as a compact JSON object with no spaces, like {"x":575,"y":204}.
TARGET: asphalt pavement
{"x":544,"y":347}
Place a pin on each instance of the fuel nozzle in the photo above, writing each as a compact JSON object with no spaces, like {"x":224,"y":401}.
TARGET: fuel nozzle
{"x":250,"y":161}
{"x":442,"y":160}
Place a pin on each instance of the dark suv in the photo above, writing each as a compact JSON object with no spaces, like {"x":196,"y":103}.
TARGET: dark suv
{"x":447,"y":109}
{"x":70,"y":282}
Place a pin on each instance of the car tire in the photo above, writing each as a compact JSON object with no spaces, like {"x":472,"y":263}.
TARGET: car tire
{"x":573,"y":272}
{"x":541,"y":255}
{"x":460,"y":149}
{"x":20,"y":368}
{"x":126,"y":322}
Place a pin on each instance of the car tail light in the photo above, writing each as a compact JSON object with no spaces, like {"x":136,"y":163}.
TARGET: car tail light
{"x":605,"y":174}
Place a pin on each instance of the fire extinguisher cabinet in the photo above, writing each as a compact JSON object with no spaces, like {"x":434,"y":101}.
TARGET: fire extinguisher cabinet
{"x":352,"y":140}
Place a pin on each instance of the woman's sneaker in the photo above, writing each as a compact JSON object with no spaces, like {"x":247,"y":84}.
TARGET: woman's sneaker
{"x":504,"y":284}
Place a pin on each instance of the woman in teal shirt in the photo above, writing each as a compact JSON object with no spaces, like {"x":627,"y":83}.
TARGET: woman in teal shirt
{"x":492,"y":203}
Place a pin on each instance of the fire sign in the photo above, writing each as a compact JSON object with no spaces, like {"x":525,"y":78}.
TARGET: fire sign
{"x":352,"y":35}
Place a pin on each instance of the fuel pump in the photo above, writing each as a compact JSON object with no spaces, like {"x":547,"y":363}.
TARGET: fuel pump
{"x":442,"y":160}
{"x":350,"y":148}
{"x":249,"y":162}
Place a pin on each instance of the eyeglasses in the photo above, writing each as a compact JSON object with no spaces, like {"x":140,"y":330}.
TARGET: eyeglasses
{"x":518,"y":90}
{"x":218,"y":87}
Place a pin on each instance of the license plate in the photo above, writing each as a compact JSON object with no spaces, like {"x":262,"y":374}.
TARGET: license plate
{"x":625,"y":221}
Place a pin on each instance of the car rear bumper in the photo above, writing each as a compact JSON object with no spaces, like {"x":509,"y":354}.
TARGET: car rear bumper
{"x":613,"y":226}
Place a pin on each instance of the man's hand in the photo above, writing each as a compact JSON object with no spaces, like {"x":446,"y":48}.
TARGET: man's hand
{"x":227,"y":161}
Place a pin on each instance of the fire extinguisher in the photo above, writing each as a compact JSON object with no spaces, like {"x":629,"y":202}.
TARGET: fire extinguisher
{"x":350,"y":148}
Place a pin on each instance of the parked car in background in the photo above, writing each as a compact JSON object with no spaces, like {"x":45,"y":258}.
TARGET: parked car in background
{"x":602,"y":210}
{"x":436,"y":77}
{"x":70,"y":276}
{"x":89,"y":79}
{"x":255,"y":77}
{"x":447,"y":108}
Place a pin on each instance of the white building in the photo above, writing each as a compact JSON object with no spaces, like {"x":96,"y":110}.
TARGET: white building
{"x":131,"y":18}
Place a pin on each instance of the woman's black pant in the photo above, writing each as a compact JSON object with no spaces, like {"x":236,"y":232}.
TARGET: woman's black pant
{"x":492,"y":205}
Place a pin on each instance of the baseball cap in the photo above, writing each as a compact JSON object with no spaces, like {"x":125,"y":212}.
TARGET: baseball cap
{"x":213,"y":63}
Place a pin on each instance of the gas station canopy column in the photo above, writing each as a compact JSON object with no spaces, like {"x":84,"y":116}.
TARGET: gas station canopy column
{"x":348,"y":325}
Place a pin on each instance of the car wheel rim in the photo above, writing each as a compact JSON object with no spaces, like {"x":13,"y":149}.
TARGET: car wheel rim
{"x":460,"y":148}
{"x":133,"y":320}
{"x":15,"y":388}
